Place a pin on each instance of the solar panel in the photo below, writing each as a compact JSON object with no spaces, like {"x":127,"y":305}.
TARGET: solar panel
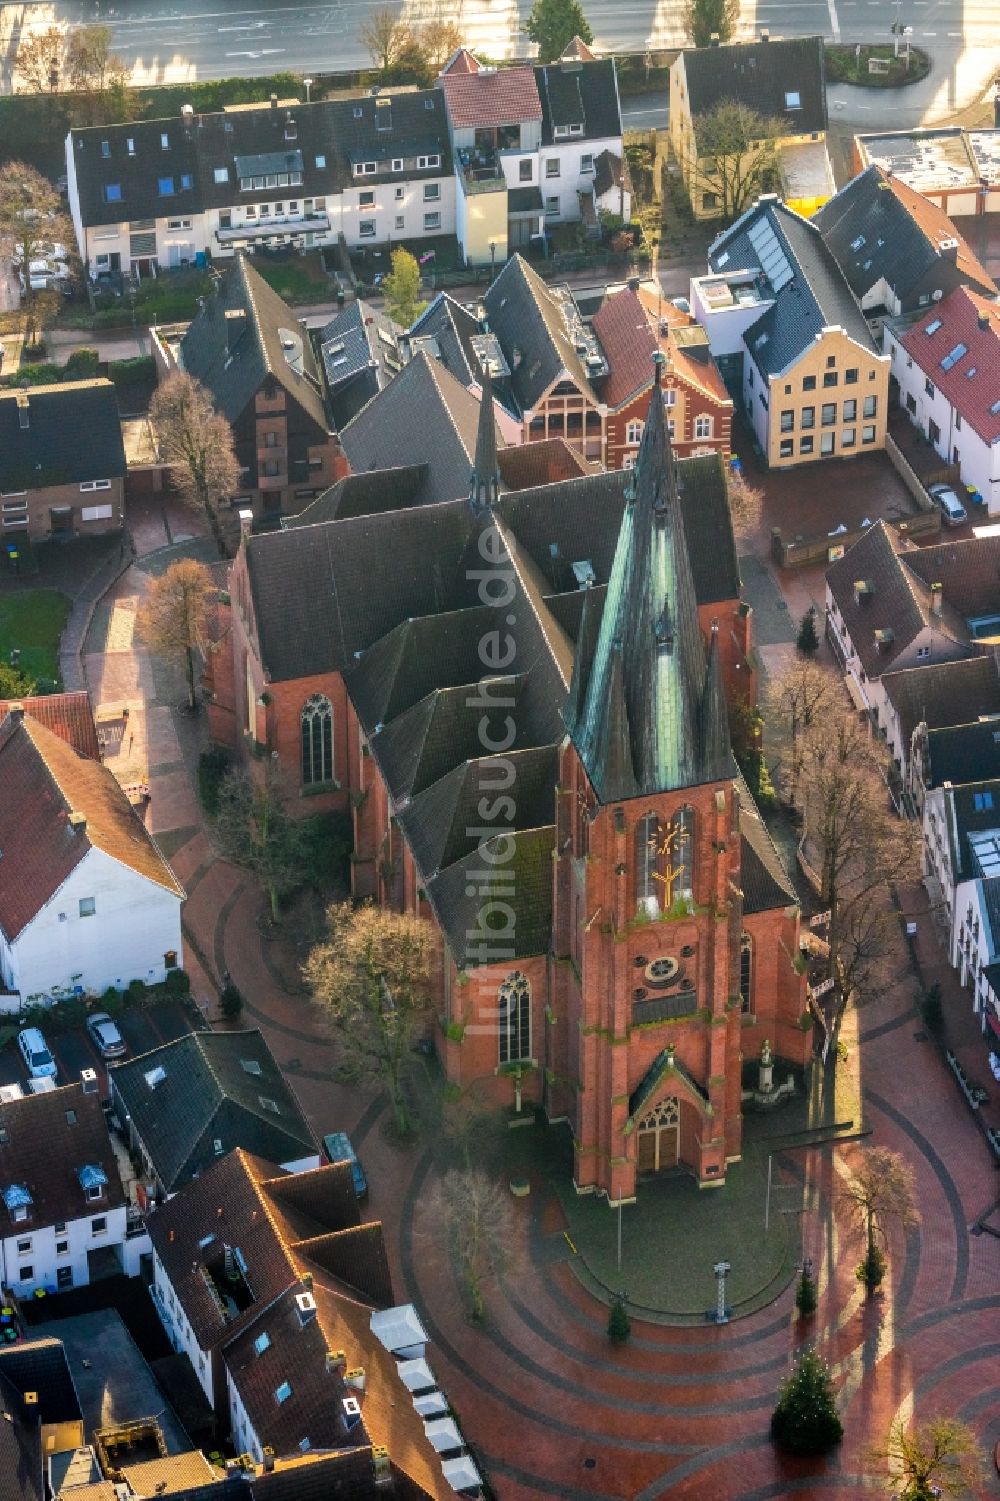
{"x":773,"y":261}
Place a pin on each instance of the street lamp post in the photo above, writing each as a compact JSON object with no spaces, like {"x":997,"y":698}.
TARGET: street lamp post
{"x":493,"y":261}
{"x":308,"y":83}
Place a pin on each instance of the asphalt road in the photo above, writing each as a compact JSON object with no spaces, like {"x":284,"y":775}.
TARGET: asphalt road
{"x":186,"y":39}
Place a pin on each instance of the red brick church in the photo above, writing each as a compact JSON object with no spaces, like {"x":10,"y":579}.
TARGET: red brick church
{"x":522,"y":699}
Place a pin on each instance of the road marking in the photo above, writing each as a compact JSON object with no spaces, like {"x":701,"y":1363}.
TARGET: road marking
{"x":928,"y":33}
{"x":954,"y":33}
{"x":832,"y":8}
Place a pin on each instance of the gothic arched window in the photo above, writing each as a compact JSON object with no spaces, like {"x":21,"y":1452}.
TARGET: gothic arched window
{"x":746,"y":974}
{"x":647,"y":852}
{"x":317,"y":740}
{"x":514,"y":1004}
{"x":681,"y":852}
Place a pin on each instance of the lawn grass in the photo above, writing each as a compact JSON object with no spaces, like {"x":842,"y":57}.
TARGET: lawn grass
{"x":847,"y":64}
{"x":301,"y":279}
{"x":33,"y":621}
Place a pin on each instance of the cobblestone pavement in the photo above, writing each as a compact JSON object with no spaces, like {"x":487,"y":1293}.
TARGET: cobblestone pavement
{"x":551,"y":1408}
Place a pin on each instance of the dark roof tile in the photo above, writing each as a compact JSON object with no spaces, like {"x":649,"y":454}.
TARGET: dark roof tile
{"x":47,"y":1139}
{"x":761,"y":76}
{"x":74,"y":434}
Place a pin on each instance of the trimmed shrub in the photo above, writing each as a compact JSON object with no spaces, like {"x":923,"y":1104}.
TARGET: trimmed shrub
{"x":807,"y":640}
{"x":177,"y":983}
{"x":871,"y":1272}
{"x":82,"y":365}
{"x":231,"y":1001}
{"x":805,"y":1420}
{"x":619,"y":1323}
{"x":805,"y":1294}
{"x":930,"y":1007}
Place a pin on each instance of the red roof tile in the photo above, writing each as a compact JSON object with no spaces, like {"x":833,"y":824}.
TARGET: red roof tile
{"x":67,"y":715}
{"x":956,"y":321}
{"x":44,"y":782}
{"x":462,"y":61}
{"x":577,"y":49}
{"x":627,"y":328}
{"x":503,"y":97}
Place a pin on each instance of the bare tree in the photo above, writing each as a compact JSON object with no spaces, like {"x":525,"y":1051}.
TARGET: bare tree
{"x":481,"y":1229}
{"x":440,"y":39}
{"x":881,"y":1191}
{"x":746,"y":505}
{"x":99,"y":76}
{"x":197,"y":443}
{"x":796,"y":699}
{"x":173,"y":618}
{"x":942,"y":1457}
{"x":732,"y":156}
{"x":257,"y":833}
{"x":39,"y":65}
{"x":384,"y":36}
{"x":32,"y":224}
{"x":371,"y":978}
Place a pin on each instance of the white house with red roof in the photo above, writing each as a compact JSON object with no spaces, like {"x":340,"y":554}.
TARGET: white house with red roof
{"x":948,"y":368}
{"x":634,"y":323}
{"x":86,"y":898}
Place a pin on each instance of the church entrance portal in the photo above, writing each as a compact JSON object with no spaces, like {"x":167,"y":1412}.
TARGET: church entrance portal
{"x":658,"y":1138}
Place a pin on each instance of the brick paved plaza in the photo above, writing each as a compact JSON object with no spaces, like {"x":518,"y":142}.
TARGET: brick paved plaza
{"x":552,"y":1408}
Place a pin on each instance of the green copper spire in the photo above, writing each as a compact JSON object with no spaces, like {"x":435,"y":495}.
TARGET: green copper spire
{"x":645,"y":713}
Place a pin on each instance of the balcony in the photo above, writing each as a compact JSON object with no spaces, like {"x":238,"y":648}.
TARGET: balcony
{"x":264,"y":229}
{"x":480,"y":172}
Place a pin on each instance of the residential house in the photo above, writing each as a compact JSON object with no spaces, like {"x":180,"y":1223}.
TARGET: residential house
{"x":956,"y":168}
{"x":63,"y":1202}
{"x":154,"y":194}
{"x":780,"y":80}
{"x":552,"y":358}
{"x":62,"y":461}
{"x":189,"y":1102}
{"x":787,"y":333}
{"x":268,"y":1282}
{"x":452,"y":333}
{"x":21,"y":1446}
{"x":898,"y":251}
{"x":932,"y":697}
{"x":257,"y":362}
{"x":87,"y":899}
{"x":947,"y":364}
{"x":633,"y":325}
{"x":525,"y":142}
{"x":360,"y":350}
{"x":956,"y":754}
{"x":961,"y":829}
{"x":423,"y":693}
{"x":68,"y":715}
{"x":37,"y":1370}
{"x":883,"y":615}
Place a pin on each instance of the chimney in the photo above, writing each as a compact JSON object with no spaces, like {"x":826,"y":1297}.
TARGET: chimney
{"x":633,"y":284}
{"x":268,"y":1459}
{"x":274,"y":101}
{"x":714,"y":39}
{"x":16,"y":712}
{"x":305,"y":1307}
{"x":31,"y":1399}
{"x":78,"y":822}
{"x":381,"y":1465}
{"x":22,"y":410}
{"x":88,"y":1078}
{"x":936,"y":599}
{"x":187,"y":114}
{"x":291,"y":129}
{"x":983,"y":320}
{"x":336,"y":1360}
{"x":355,"y":1379}
{"x":765,"y":36}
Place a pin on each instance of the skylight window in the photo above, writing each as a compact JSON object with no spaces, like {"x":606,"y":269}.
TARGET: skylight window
{"x":261,"y":1343}
{"x":283,"y":1392}
{"x":251,"y":1066}
{"x":933,"y":326}
{"x":995,"y":408}
{"x":970,"y":372}
{"x":953,"y":356}
{"x":155,"y":1076}
{"x":267,"y":1104}
{"x":858,"y":243}
{"x":793,"y":99}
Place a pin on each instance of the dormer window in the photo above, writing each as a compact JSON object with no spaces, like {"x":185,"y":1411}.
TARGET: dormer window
{"x":93,"y":1181}
{"x":364,"y":169}
{"x":18,"y":1201}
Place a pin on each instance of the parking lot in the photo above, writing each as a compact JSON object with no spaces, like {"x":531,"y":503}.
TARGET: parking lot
{"x":142,"y":1027}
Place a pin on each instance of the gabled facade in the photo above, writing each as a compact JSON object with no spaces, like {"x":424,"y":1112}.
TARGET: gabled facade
{"x":633,"y":323}
{"x":779,"y":80}
{"x":249,"y":351}
{"x":947,"y":364}
{"x":933,"y":697}
{"x":63,"y":1210}
{"x":961,"y":828}
{"x":788,"y":334}
{"x":87,"y":900}
{"x":62,"y":462}
{"x":899,"y":252}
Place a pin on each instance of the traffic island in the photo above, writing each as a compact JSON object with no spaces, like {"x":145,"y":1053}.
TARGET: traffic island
{"x":876,"y":66}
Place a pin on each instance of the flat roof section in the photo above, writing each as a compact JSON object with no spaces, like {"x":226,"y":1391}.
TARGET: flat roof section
{"x":985,"y":148}
{"x":926,"y":160}
{"x":113,"y":1381}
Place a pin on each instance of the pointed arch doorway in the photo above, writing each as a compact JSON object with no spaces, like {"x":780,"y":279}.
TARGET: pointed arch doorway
{"x":658,"y":1137}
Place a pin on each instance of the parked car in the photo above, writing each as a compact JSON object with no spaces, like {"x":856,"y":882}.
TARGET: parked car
{"x":34,"y":1050}
{"x":951,"y":507}
{"x":681,"y":303}
{"x":338,"y":1149}
{"x":105,"y":1036}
